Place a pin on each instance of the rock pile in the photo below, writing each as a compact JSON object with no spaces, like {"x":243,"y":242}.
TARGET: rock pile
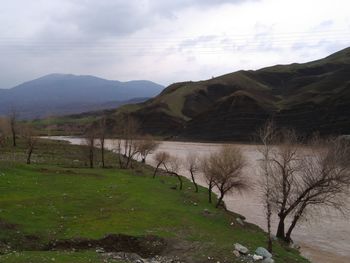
{"x":135,"y":258}
{"x":261,"y":254}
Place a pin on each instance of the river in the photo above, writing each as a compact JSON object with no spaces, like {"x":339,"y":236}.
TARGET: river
{"x":325,"y":238}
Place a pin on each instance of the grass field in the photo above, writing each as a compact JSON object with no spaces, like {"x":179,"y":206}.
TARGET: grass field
{"x":58,"y":198}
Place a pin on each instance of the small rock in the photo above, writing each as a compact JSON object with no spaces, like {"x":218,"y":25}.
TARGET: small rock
{"x":99,"y":250}
{"x":236,"y":253}
{"x":257,"y":257}
{"x":260,"y":251}
{"x":268,"y":260}
{"x":295,"y":246}
{"x":206,"y":211}
{"x":241,"y":249}
{"x":240,"y":221}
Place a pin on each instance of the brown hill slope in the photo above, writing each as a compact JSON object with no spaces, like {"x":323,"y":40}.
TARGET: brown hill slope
{"x":310,"y":97}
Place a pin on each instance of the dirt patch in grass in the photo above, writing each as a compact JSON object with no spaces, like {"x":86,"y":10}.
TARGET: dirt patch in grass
{"x":68,"y":172}
{"x":145,"y":246}
{"x":7,"y":226}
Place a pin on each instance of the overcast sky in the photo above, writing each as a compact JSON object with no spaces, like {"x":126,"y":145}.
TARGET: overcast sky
{"x":164,"y":40}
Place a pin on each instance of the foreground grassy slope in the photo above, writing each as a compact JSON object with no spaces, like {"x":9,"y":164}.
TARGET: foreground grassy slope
{"x":63,"y":200}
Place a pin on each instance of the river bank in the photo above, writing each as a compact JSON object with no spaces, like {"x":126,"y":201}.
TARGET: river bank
{"x":324,"y":238}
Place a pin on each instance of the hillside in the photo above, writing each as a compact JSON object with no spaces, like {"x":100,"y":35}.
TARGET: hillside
{"x":60,"y":94}
{"x":310,"y":97}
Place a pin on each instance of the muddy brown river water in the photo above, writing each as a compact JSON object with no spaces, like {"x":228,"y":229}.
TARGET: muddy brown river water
{"x":323,"y":239}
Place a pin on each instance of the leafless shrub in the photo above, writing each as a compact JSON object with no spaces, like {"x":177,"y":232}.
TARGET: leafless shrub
{"x":172,"y":166}
{"x":267,"y":136}
{"x":101,"y":134}
{"x":30,"y":139}
{"x":89,"y":140}
{"x":224,"y":170}
{"x":128,"y":133}
{"x":161,"y":158}
{"x":192,"y":165}
{"x":205,"y":167}
{"x":145,"y":146}
{"x":12,"y":117}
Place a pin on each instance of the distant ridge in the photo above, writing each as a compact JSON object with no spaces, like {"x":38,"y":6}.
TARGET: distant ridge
{"x":58,"y":94}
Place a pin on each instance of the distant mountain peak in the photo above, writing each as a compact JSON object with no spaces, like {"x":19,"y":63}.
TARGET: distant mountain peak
{"x":50,"y":94}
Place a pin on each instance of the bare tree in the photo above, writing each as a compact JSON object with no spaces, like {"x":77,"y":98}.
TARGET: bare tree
{"x":30,"y":139}
{"x":161,"y":158}
{"x":89,"y":141}
{"x":128,"y":132}
{"x":146,"y":145}
{"x":12,"y":117}
{"x":224,"y":170}
{"x":325,"y":180}
{"x":208,"y":175}
{"x":228,"y":166}
{"x":172,"y":166}
{"x":267,"y":137}
{"x":101,"y":134}
{"x":304,"y":179}
{"x":192,"y":165}
{"x":284,"y":167}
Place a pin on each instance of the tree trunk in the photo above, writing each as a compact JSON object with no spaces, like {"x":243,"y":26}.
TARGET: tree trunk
{"x":30,"y":151}
{"x":91,"y":158}
{"x":14,"y":138}
{"x":128,"y":162}
{"x":210,"y":191}
{"x":269,"y":213}
{"x":103,"y":153}
{"x":180,"y":180}
{"x":288,"y":238}
{"x":220,"y":199}
{"x":120,"y":160}
{"x":296,"y":218}
{"x":155,"y":170}
{"x":280,"y":229}
{"x":194,"y":182}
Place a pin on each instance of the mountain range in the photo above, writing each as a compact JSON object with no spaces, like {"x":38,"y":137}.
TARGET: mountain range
{"x":60,"y":94}
{"x":310,"y":97}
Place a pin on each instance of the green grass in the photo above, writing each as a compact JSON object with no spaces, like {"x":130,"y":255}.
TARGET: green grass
{"x":56,"y":257}
{"x":44,"y":202}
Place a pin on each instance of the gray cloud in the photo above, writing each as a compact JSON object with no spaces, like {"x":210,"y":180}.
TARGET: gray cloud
{"x":144,"y":38}
{"x":111,"y":18}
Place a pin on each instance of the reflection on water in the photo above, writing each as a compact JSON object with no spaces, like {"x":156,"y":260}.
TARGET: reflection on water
{"x":325,"y":238}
